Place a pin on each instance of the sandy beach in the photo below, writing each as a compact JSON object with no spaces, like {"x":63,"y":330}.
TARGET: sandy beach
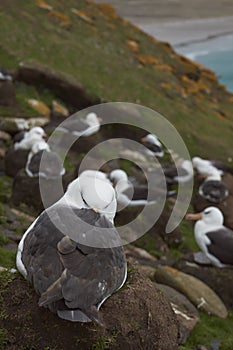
{"x":182,"y":23}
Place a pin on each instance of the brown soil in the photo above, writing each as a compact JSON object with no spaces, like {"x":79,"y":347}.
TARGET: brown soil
{"x":137,"y":317}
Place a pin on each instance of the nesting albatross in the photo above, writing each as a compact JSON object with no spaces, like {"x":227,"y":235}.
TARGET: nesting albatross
{"x":62,"y":253}
{"x":153,"y":145}
{"x":214,"y":239}
{"x":129,"y":194}
{"x":43,"y":162}
{"x":213,"y":189}
{"x":81,"y":127}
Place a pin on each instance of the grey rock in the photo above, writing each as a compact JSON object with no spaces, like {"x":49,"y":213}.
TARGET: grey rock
{"x":195,"y":290}
{"x":186,"y":313}
{"x":62,"y":85}
{"x":7,"y":93}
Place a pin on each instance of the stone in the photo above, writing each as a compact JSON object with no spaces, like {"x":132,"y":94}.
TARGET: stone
{"x":15,"y":160}
{"x":220,"y":280}
{"x":186,"y":313}
{"x":7,"y":94}
{"x":13,"y":125}
{"x":194,"y":289}
{"x":26,"y":190}
{"x":4,"y":136}
{"x":58,"y":110}
{"x":64,"y":86}
{"x":39,"y":106}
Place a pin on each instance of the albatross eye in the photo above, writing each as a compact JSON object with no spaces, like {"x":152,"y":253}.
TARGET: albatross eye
{"x":206,"y":212}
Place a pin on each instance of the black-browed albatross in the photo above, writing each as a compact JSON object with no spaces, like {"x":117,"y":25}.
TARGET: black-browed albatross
{"x":153,"y":145}
{"x":43,"y":162}
{"x":72,"y":278}
{"x":81,"y":126}
{"x":128,"y":194}
{"x":213,"y":189}
{"x":213,"y":238}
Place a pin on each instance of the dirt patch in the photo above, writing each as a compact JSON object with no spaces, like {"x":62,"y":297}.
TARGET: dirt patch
{"x":137,"y":317}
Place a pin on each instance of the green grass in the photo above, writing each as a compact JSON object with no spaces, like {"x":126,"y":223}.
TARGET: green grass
{"x":99,"y":57}
{"x":7,"y":257}
{"x":210,"y":328}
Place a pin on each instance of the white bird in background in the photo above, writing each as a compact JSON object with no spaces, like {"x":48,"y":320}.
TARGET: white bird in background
{"x":205,"y":166}
{"x":153,"y":145}
{"x":81,"y":127}
{"x":129,"y":194}
{"x":26,"y":140}
{"x":213,"y":189}
{"x":213,"y":238}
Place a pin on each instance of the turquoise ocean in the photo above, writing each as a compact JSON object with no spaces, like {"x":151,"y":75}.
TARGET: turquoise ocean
{"x":217,"y":54}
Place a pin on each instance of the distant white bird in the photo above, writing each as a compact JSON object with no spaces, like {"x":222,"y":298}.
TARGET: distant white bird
{"x":64,"y":253}
{"x":181,"y":173}
{"x":213,"y":189}
{"x":153,"y":145}
{"x":43,"y":162}
{"x":25,"y":140}
{"x":129,"y":194}
{"x":4,"y":75}
{"x":213,"y":238}
{"x":81,"y":127}
{"x":205,"y":166}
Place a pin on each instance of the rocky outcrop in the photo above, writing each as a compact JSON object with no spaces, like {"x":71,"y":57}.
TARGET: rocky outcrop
{"x":195,"y":290}
{"x":7,"y":93}
{"x":62,"y":85}
{"x":186,"y":313}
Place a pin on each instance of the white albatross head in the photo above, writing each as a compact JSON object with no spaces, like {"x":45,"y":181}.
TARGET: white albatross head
{"x":92,"y":193}
{"x":153,"y":139}
{"x":211,"y":216}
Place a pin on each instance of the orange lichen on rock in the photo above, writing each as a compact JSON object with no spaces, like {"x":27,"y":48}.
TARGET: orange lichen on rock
{"x":82,"y":14}
{"x":43,"y":5}
{"x":193,"y":87}
{"x":165,"y":85}
{"x":133,"y":45}
{"x":147,"y":60}
{"x":220,"y":115}
{"x":164,"y":67}
{"x":63,"y":18}
{"x":107,"y":11}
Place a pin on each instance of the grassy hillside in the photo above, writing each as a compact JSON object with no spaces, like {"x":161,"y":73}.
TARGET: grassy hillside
{"x":115,"y":61}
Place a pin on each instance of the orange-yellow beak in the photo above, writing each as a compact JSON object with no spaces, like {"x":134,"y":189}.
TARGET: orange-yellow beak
{"x":45,"y":136}
{"x":197,"y":216}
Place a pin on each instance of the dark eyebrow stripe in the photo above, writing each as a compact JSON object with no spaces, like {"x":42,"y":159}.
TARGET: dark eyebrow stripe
{"x":84,"y":200}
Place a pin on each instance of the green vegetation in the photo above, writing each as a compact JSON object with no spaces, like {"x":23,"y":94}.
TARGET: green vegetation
{"x":115,"y":61}
{"x":211,"y":328}
{"x":104,"y":342}
{"x":5,"y":188}
{"x":7,"y":257}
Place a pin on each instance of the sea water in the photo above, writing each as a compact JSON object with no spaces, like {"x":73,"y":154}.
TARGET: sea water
{"x":221,"y":62}
{"x":217,"y":54}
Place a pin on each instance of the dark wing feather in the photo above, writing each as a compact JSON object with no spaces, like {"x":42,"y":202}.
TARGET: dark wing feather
{"x":76,"y":124}
{"x":66,"y":273}
{"x":152,"y":147}
{"x":213,"y":191}
{"x":19,"y":136}
{"x":221,"y":245}
{"x":50,"y":167}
